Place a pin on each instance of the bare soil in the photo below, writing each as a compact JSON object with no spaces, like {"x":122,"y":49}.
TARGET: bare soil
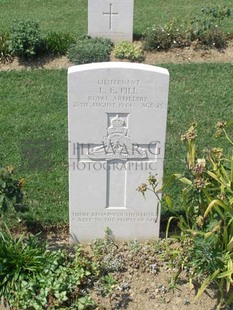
{"x":190,"y":54}
{"x":143,"y":280}
{"x":144,"y":283}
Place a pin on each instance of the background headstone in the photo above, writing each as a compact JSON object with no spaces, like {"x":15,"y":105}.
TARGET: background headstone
{"x":117,"y":128}
{"x":111,"y":19}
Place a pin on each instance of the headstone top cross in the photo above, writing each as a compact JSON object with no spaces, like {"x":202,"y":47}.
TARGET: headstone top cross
{"x":110,"y":13}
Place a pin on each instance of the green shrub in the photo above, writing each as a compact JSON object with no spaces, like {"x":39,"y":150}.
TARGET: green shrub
{"x":214,"y":38}
{"x":11,"y":190}
{"x":32,"y":277}
{"x":25,"y":39}
{"x":163,"y":38}
{"x":207,"y":204}
{"x":155,"y":38}
{"x":58,"y":43}
{"x":5,"y":52}
{"x":88,"y":50}
{"x":19,"y":260}
{"x":205,"y":28}
{"x":106,"y":253}
{"x":128,"y":50}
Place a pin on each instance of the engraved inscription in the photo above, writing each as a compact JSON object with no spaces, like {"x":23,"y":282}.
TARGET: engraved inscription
{"x":117,"y":144}
{"x":117,"y":217}
{"x":121,"y":90}
{"x":127,"y":83}
{"x":118,"y":94}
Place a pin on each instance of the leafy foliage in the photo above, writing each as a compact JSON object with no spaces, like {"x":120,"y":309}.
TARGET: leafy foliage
{"x":164,"y":37}
{"x":25,"y":39}
{"x":214,"y":38}
{"x":58,"y":43}
{"x":105,"y":285}
{"x":19,"y":260}
{"x":5,"y":52}
{"x":106,"y":252}
{"x":128,"y":51}
{"x":32,"y":277}
{"x":207,"y":204}
{"x":204,"y":29}
{"x":11,"y":190}
{"x":88,"y":50}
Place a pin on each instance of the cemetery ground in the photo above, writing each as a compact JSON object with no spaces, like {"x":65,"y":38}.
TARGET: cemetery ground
{"x":134,"y":275}
{"x":104,"y":274}
{"x":187,"y":55}
{"x":60,"y":15}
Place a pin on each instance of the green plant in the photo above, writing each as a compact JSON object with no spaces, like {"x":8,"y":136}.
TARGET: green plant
{"x":218,"y":13}
{"x":129,"y":51}
{"x":32,"y":277}
{"x":20,"y":259}
{"x":58,"y":43}
{"x":88,"y":50}
{"x":214,"y":38}
{"x":106,"y":252}
{"x":11,"y":190}
{"x":25,"y":39}
{"x":164,"y":37}
{"x":106,"y":285}
{"x":207,"y":204}
{"x":206,"y":28}
{"x":5,"y":52}
{"x":83,"y":303}
{"x":61,"y":283}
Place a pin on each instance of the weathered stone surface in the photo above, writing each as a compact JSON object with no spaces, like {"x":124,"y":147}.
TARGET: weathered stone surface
{"x":111,"y":19}
{"x":117,"y":128}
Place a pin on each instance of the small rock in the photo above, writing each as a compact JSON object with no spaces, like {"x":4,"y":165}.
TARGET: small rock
{"x":125,"y":286}
{"x":156,"y":291}
{"x":186,"y":302}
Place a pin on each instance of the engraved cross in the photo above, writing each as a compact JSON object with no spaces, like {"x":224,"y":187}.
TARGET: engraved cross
{"x":111,"y":14}
{"x":117,"y":155}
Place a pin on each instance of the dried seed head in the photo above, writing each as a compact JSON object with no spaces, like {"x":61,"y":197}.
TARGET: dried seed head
{"x":220,"y":127}
{"x":10,"y":169}
{"x":199,"y":183}
{"x":217,"y":152}
{"x":142,"y":188}
{"x":221,"y":124}
{"x":152,"y":180}
{"x":21,"y":182}
{"x":199,"y":169}
{"x":191,"y":134}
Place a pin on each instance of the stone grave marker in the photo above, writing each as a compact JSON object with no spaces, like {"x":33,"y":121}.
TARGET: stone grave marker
{"x":111,"y":19}
{"x":117,"y":127}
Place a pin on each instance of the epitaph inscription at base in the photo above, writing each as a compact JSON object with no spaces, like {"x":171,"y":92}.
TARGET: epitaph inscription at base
{"x":117,"y":128}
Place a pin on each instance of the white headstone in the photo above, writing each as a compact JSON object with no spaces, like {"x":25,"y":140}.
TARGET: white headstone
{"x":111,"y":19}
{"x":117,"y":127}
